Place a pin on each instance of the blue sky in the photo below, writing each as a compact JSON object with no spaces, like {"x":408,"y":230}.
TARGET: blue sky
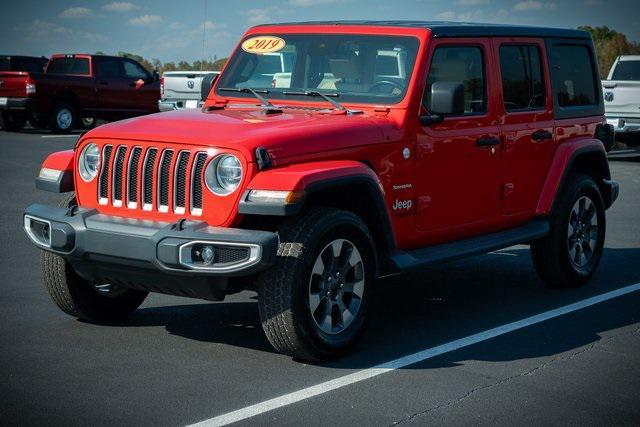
{"x":173,"y":30}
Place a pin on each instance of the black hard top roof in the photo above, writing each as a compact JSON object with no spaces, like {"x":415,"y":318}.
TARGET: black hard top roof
{"x":462,"y":29}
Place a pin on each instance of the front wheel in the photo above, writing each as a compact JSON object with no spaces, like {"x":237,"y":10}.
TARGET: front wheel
{"x":84,"y":299}
{"x":314,"y":302}
{"x":570,"y":254}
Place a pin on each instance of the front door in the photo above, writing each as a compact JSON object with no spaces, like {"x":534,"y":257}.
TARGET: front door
{"x":458,"y":160}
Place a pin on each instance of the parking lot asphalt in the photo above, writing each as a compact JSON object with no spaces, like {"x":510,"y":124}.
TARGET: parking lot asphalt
{"x":178,"y":361}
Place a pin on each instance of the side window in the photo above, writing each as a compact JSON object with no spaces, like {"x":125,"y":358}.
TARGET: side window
{"x":464,"y":65}
{"x":109,"y":68}
{"x":135,"y":71}
{"x":573,"y":73}
{"x":522,"y":82}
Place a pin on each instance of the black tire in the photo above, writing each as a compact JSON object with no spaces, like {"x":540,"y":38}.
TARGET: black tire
{"x":79,"y":297}
{"x":283,"y":290}
{"x":12,"y":121}
{"x":63,"y":118}
{"x":88,"y":123}
{"x":552,"y":256}
{"x":631,"y":140}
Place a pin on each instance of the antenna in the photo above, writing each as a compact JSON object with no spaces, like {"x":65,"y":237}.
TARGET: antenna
{"x":204,"y":34}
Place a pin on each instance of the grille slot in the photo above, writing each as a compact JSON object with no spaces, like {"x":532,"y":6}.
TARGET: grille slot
{"x":103,"y":184}
{"x":163,"y":180}
{"x":196,"y":183}
{"x":180,"y":183}
{"x":147,"y":173}
{"x":132,"y":177}
{"x":118,"y":167}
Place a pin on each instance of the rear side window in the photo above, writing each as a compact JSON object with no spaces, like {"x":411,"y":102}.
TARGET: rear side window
{"x":522,"y":81}
{"x":463,"y":65}
{"x":109,"y":68}
{"x":5,"y":63}
{"x":69,"y":65}
{"x":627,"y":70}
{"x":574,"y":75}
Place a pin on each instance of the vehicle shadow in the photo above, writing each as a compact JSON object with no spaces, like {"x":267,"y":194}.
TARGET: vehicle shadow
{"x":419,"y":311}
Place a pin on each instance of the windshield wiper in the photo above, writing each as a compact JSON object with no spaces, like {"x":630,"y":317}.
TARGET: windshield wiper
{"x":264,"y":102}
{"x":325,"y":96}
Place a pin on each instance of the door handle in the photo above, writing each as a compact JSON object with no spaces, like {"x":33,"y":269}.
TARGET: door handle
{"x":541,"y":135}
{"x":104,"y":83}
{"x":487,"y":141}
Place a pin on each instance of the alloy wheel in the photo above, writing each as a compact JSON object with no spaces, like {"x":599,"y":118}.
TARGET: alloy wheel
{"x":582,"y":232}
{"x":336,"y":286}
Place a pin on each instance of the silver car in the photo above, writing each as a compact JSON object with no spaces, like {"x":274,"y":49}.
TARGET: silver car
{"x":183,"y":89}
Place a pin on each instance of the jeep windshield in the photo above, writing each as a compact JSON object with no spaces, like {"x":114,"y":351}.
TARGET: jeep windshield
{"x":352,"y":68}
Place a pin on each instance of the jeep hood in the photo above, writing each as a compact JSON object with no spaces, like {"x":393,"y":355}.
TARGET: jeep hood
{"x":293,"y":132}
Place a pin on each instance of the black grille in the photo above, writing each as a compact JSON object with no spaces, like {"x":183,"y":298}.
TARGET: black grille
{"x":117,"y":173}
{"x":165,"y":165}
{"x":132,"y":182}
{"x":230,"y":254}
{"x":104,"y":173}
{"x":181,"y":179}
{"x":196,"y":180}
{"x":148,"y":176}
{"x":131,"y":175}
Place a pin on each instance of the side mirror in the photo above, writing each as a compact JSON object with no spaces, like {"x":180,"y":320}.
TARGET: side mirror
{"x":447,"y":98}
{"x":155,"y":76}
{"x":207,"y":83}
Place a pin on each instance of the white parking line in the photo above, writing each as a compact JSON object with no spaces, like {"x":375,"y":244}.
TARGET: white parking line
{"x":325,"y":387}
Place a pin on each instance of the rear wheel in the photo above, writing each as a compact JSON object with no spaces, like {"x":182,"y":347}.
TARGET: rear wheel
{"x":88,"y":122}
{"x":13,"y":121}
{"x":314,"y":302}
{"x":84,"y":299}
{"x":63,"y":118}
{"x":570,"y":254}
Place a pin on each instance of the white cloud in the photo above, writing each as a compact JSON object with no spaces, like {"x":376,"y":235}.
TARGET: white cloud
{"x":472,"y":2}
{"x":259,"y":16}
{"x":146,"y":20}
{"x":75,"y":12}
{"x":306,"y":3}
{"x":119,"y":6}
{"x":449,"y":15}
{"x":529,"y":5}
{"x":208,"y":25}
{"x":44,"y":31}
{"x":176,"y":26}
{"x":473,"y":16}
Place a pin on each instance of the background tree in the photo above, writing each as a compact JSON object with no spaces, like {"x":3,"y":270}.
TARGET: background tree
{"x":610,"y":44}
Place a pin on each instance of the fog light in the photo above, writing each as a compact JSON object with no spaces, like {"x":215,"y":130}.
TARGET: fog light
{"x":203,"y":254}
{"x":39,"y":231}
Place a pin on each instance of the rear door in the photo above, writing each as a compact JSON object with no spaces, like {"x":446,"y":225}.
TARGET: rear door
{"x":526,"y":121}
{"x":458,"y":160}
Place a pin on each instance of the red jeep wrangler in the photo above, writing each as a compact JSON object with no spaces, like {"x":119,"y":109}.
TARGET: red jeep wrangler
{"x":388,"y":146}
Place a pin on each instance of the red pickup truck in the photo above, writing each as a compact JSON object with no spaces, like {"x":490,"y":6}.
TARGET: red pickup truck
{"x":391,"y":146}
{"x":77,"y":86}
{"x":14,"y":79}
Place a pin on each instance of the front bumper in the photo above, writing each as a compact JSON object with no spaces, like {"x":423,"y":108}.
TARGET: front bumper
{"x":18,"y":104}
{"x":177,"y":104}
{"x":147,"y":254}
{"x":624,"y":124}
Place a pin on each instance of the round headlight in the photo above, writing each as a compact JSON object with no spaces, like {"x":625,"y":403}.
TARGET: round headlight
{"x":223,"y":174}
{"x":89,"y":162}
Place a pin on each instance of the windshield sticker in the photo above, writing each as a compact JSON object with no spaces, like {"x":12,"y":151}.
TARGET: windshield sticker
{"x":263,"y":44}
